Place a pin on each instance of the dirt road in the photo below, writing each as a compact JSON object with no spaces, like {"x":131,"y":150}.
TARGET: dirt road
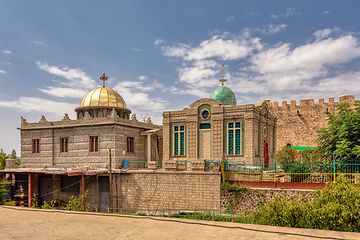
{"x":25,"y":223}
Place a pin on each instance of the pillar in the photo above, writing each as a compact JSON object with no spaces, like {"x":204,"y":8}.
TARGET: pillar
{"x":149,"y":147}
{"x":30,"y":190}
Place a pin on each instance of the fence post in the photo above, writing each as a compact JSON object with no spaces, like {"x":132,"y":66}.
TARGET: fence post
{"x":223,"y":172}
{"x":275,"y":174}
{"x":334,"y":171}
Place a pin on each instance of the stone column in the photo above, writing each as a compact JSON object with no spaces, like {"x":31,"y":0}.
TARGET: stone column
{"x":149,"y":147}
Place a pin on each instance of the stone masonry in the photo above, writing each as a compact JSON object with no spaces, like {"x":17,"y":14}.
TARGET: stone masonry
{"x":159,"y":190}
{"x":297,"y":124}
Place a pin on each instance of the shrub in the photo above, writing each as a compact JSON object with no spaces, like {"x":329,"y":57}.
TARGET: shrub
{"x":3,"y":191}
{"x":78,"y":204}
{"x":50,"y":205}
{"x":336,"y":207}
{"x":10,"y":203}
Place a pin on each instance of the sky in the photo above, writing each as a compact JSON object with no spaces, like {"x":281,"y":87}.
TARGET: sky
{"x":165,"y":55}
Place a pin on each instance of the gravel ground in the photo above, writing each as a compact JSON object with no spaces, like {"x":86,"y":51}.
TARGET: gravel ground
{"x":25,"y":223}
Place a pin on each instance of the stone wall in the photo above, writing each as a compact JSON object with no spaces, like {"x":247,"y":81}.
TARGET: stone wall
{"x":169,"y":190}
{"x":297,"y":124}
{"x":249,"y":199}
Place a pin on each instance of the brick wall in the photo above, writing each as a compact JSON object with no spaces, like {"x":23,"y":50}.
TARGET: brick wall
{"x":169,"y":190}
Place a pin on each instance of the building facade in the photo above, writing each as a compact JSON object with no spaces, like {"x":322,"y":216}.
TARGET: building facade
{"x":214,"y":128}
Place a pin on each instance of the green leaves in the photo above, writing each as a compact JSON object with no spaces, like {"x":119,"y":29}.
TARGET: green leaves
{"x":78,"y":204}
{"x":342,"y":136}
{"x":337,"y":207}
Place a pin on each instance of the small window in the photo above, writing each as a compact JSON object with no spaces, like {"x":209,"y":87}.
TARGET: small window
{"x":130,"y":145}
{"x":64,"y":145}
{"x":94,"y":144}
{"x":205,"y":114}
{"x":35,"y":145}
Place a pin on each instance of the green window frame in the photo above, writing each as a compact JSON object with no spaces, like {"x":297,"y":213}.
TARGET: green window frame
{"x":178,"y":140}
{"x":234,"y":134}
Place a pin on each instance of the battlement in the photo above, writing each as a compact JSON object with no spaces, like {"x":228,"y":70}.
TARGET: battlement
{"x":310,"y":102}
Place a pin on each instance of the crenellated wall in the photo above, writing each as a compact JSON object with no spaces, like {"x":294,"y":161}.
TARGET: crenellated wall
{"x":298,"y":124}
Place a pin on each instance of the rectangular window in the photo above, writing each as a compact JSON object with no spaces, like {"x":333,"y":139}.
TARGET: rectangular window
{"x":35,"y":145}
{"x":130,"y":144}
{"x":64,"y":145}
{"x":234,"y":138}
{"x":94,"y":144}
{"x":179,"y":140}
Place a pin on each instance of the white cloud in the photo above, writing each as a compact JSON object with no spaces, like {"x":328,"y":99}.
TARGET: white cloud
{"x":271,"y":29}
{"x":44,"y":106}
{"x":288,"y":13}
{"x":139,"y":50}
{"x":230,"y":18}
{"x":326,"y":12}
{"x":139,"y":102}
{"x":76,"y":77}
{"x":199,"y":74}
{"x":159,"y":42}
{"x":310,"y":56}
{"x":216,"y":47}
{"x":142,"y":77}
{"x":2,"y":71}
{"x":64,"y":92}
{"x":321,"y":34}
{"x":6,"y":52}
{"x":39,"y":42}
{"x":274,"y":29}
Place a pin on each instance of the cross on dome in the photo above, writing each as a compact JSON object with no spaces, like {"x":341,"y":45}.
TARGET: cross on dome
{"x":222,"y":80}
{"x":103,"y":78}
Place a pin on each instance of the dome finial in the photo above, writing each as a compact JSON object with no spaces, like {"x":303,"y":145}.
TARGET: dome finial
{"x":222,"y":80}
{"x":103,"y":78}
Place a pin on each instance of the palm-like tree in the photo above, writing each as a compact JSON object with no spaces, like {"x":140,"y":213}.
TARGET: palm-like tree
{"x":3,"y":157}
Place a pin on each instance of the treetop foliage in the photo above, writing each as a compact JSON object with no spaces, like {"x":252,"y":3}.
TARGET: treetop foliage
{"x":341,"y":138}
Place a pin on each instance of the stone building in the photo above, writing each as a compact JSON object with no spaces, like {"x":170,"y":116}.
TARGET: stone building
{"x":214,"y":127}
{"x":92,"y":153}
{"x":62,"y":153}
{"x":297,"y":125}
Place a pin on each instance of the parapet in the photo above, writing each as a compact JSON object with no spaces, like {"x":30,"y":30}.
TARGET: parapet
{"x":310,"y":102}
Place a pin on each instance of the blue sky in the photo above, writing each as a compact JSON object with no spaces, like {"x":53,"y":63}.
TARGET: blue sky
{"x":164,"y":55}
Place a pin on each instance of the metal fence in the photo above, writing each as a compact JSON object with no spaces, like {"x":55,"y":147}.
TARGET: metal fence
{"x":300,"y":172}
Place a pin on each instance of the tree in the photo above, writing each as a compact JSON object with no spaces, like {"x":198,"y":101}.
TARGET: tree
{"x":341,"y":138}
{"x":3,"y":158}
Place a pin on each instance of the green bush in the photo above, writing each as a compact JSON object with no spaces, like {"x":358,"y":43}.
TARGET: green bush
{"x":10,"y":203}
{"x":336,"y":207}
{"x":235,"y":188}
{"x":301,"y":172}
{"x":78,"y":204}
{"x":3,"y":191}
{"x":50,"y":205}
{"x":248,"y":218}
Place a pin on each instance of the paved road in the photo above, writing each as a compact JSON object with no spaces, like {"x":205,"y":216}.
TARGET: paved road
{"x":25,"y":223}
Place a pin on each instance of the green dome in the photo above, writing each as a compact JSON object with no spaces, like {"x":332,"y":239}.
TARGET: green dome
{"x":224,"y":95}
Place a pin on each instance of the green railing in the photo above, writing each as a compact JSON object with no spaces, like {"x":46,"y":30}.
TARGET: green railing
{"x":300,"y":172}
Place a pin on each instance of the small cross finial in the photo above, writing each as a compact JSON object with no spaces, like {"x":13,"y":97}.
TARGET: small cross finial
{"x":223,"y":71}
{"x":103,"y":78}
{"x":222,"y":80}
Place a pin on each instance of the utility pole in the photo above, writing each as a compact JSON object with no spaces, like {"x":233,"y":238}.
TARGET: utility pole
{"x":110,"y":183}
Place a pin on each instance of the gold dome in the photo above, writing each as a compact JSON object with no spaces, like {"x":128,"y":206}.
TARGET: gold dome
{"x":102,"y":97}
